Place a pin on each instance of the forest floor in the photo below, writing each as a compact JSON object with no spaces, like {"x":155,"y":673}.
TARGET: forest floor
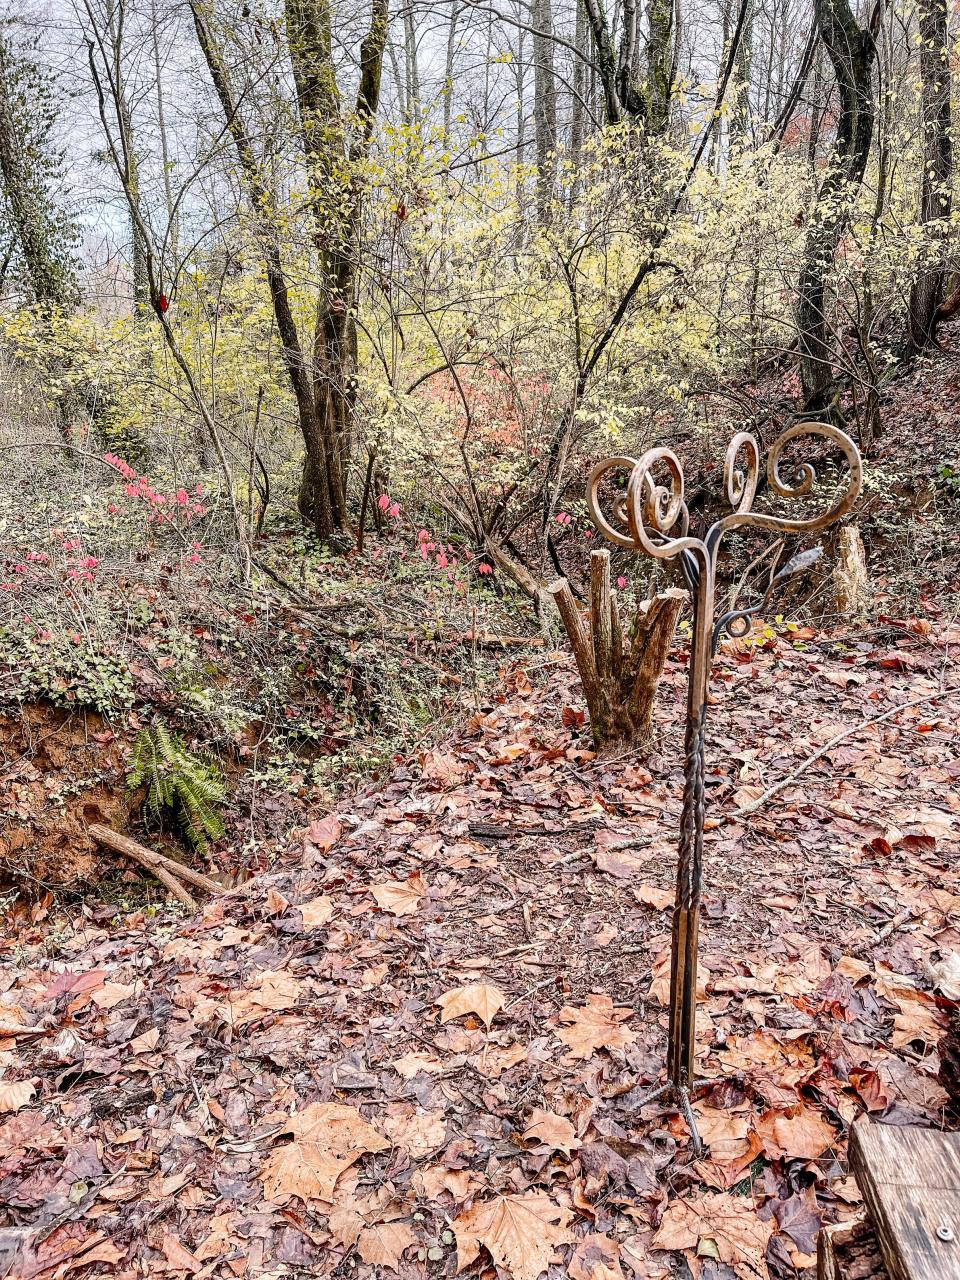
{"x":417,"y":1045}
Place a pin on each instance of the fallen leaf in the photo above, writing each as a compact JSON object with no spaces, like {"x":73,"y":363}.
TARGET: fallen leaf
{"x":322,"y":834}
{"x":596,"y":1257}
{"x":521,"y":1232}
{"x":717,"y":1225}
{"x":418,"y":1132}
{"x":478,"y":998}
{"x":595,"y":1025}
{"x":383,"y":1244}
{"x":327,"y":1139}
{"x":799,"y":1133}
{"x":317,"y":912}
{"x":399,"y":897}
{"x":15,"y":1094}
{"x":650,"y":896}
{"x":547,"y":1129}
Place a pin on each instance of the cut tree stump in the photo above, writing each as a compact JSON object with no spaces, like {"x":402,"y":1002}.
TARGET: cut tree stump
{"x":910,"y":1180}
{"x":619,"y":675}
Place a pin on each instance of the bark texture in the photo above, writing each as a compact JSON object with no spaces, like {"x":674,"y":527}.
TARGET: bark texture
{"x":852,"y":51}
{"x":619,"y":673}
{"x":928,"y":288}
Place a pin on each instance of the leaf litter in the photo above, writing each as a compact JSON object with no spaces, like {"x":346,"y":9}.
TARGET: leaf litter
{"x":420,"y":1044}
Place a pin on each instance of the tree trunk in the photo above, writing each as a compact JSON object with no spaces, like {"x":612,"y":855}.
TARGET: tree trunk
{"x":619,"y":678}
{"x":544,"y":104}
{"x":851,"y":50}
{"x":24,"y":191}
{"x":927,"y":291}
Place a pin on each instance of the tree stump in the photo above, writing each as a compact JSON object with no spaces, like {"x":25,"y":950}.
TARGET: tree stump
{"x":851,"y":582}
{"x":619,"y":674}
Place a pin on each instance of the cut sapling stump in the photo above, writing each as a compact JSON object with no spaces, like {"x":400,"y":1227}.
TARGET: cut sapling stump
{"x":619,"y":674}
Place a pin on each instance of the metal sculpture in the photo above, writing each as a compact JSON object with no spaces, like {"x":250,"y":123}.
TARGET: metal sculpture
{"x":651,"y":516}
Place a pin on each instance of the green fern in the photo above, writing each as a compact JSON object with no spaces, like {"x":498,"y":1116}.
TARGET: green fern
{"x":180,"y":782}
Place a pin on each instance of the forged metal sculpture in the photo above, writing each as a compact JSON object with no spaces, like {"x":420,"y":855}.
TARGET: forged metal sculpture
{"x":651,"y":516}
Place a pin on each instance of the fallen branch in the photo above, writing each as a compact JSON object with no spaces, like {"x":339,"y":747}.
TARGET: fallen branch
{"x":791,"y":777}
{"x":166,"y":870}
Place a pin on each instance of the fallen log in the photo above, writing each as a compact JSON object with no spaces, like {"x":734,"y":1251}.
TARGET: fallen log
{"x":169,"y":872}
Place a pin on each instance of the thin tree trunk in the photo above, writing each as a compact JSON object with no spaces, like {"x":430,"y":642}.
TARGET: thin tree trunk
{"x":544,"y":104}
{"x":927,"y":292}
{"x":851,"y":50}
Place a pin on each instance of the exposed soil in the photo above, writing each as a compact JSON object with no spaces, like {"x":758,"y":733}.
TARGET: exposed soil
{"x":59,"y":771}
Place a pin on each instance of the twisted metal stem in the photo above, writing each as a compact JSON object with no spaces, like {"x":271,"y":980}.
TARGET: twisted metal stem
{"x":651,"y":515}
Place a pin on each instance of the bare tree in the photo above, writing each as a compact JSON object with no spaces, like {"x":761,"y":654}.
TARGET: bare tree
{"x":323,"y":381}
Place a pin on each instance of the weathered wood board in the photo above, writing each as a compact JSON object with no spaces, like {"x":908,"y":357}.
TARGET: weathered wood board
{"x":910,"y":1180}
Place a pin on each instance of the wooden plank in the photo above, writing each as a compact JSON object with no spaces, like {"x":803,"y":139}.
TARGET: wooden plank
{"x":910,"y":1179}
{"x":849,"y":1251}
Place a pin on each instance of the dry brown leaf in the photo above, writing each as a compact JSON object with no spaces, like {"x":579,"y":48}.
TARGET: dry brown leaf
{"x":317,"y":912}
{"x":399,"y":897}
{"x":412,"y":1064}
{"x":799,"y":1133}
{"x":547,"y":1129}
{"x":383,"y":1244}
{"x":718,"y":1226}
{"x":479,"y":998}
{"x":419,"y":1133}
{"x":444,"y":770}
{"x":596,"y":1025}
{"x":650,"y":896}
{"x":327,"y":1139}
{"x":145,"y":1043}
{"x":321,"y":835}
{"x":596,"y":1257}
{"x":15,"y":1094}
{"x":522,"y":1233}
{"x":178,"y":1258}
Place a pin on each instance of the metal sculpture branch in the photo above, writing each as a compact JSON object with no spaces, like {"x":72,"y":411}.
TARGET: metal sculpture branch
{"x":651,"y":516}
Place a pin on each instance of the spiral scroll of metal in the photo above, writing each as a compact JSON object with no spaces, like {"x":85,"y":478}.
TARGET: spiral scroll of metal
{"x":649,"y":512}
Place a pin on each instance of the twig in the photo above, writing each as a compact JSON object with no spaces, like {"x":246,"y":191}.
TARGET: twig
{"x":791,"y":777}
{"x":165,"y":869}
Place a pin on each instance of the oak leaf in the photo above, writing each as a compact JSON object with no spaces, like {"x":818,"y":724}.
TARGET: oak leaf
{"x":595,"y":1025}
{"x":327,"y":1139}
{"x":521,"y":1232}
{"x":479,"y":998}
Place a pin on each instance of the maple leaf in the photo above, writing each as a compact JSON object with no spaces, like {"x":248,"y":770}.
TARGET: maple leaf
{"x":717,"y":1225}
{"x":419,"y":1133}
{"x":521,"y":1232}
{"x":478,"y":998}
{"x":799,"y":1133}
{"x":383,"y":1244}
{"x":596,"y":1257}
{"x":321,"y":835}
{"x":399,"y":897}
{"x":547,"y":1129}
{"x":327,"y":1139}
{"x":317,"y":912}
{"x":15,"y":1094}
{"x":594,"y":1026}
